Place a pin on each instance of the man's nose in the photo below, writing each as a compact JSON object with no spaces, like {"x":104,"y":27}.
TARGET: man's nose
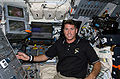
{"x":69,"y":31}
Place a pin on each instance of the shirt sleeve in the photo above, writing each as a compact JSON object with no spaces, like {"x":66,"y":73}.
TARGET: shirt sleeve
{"x":51,"y":52}
{"x":91,"y":54}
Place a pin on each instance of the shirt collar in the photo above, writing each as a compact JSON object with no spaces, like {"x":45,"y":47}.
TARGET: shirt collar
{"x":75,"y":42}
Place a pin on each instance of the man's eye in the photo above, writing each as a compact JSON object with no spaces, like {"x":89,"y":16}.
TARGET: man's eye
{"x":66,"y":29}
{"x":72,"y":28}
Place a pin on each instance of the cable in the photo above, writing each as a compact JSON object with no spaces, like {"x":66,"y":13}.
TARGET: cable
{"x":27,"y":1}
{"x":62,"y":3}
{"x":44,"y":5}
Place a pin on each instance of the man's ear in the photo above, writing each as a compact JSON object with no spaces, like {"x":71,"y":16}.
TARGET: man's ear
{"x":76,"y":30}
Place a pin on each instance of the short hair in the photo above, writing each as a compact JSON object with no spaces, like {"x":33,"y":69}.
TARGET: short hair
{"x":70,"y":21}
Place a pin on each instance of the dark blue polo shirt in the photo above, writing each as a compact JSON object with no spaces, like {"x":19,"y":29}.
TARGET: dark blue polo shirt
{"x":73,"y":57}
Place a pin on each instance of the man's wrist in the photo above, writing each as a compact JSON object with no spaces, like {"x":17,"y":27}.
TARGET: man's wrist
{"x":31,"y":58}
{"x":91,"y":76}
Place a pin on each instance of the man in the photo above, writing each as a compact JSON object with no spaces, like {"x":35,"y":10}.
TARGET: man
{"x":74,"y":55}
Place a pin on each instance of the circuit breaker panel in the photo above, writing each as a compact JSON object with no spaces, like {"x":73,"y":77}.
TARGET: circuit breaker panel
{"x":10,"y":67}
{"x":89,"y":8}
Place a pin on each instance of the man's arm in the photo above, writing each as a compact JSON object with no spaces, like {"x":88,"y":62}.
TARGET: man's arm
{"x":95,"y":71}
{"x":25,"y":57}
{"x":40,"y":58}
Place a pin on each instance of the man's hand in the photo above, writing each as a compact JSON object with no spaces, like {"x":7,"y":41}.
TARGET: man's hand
{"x":22,"y":56}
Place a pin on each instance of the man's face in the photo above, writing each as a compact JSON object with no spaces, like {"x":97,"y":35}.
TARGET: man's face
{"x":70,"y":31}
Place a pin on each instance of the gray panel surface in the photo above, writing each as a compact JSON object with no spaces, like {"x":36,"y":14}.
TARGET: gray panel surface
{"x":10,"y":67}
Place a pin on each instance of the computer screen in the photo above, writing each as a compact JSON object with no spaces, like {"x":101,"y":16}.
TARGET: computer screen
{"x":41,"y":28}
{"x":15,"y":11}
{"x":16,"y":25}
{"x":15,"y":29}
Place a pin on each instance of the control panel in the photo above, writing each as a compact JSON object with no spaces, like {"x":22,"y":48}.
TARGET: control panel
{"x":10,"y":67}
{"x":88,"y":8}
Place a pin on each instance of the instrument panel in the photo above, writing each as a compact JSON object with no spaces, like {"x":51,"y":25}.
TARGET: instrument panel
{"x":10,"y":67}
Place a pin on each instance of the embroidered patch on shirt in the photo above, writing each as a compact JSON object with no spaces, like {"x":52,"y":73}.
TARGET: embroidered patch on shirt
{"x":76,"y":50}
